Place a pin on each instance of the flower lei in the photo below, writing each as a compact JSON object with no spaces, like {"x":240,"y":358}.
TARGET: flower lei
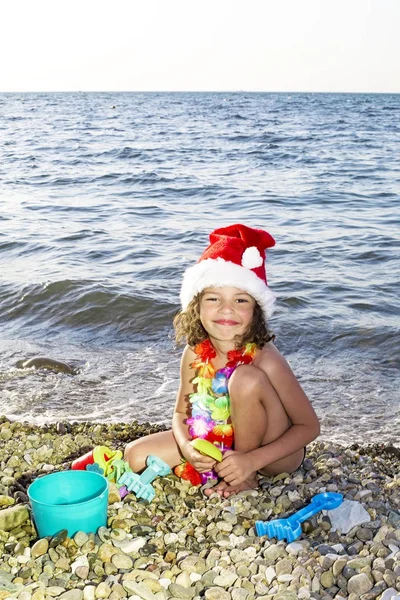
{"x":210,"y":403}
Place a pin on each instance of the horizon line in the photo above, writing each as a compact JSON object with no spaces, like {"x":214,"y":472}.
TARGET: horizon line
{"x":99,"y":91}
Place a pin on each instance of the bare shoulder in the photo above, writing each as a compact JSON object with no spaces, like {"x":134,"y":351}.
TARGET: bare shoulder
{"x":188,"y":356}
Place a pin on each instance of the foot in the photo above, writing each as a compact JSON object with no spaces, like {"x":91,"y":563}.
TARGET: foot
{"x":225,"y":490}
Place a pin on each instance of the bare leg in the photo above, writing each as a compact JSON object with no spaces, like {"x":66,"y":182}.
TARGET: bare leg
{"x":258,"y":418}
{"x":161,"y":444}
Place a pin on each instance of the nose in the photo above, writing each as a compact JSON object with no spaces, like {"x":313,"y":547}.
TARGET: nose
{"x":226,"y":306}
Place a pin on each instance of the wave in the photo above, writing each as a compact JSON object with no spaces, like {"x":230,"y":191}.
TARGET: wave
{"x":82,"y":306}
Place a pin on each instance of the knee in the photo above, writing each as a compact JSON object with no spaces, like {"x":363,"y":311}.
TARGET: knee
{"x":247,"y":382}
{"x":135,"y":455}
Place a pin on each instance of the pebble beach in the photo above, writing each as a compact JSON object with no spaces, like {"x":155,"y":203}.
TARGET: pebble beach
{"x":184,"y":546}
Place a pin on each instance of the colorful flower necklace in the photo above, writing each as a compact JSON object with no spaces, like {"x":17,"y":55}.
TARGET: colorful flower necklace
{"x":210,"y":403}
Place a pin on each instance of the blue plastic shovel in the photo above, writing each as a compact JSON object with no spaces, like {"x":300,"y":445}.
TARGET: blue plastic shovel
{"x":289,"y":529}
{"x":140,"y":485}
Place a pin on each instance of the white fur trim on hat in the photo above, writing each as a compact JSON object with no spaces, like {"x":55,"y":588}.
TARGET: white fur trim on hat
{"x":219,"y":273}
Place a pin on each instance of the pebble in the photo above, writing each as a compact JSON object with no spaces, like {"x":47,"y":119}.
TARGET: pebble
{"x":359,"y":584}
{"x":103,"y":590}
{"x":295,"y":548}
{"x":82,"y":572}
{"x":184,"y":579}
{"x":75,"y":594}
{"x":80,"y":538}
{"x":273,"y":552}
{"x":132,"y":545}
{"x":139,"y":589}
{"x":121,"y":561}
{"x":184,"y":546}
{"x":226,"y":578}
{"x":217,"y":593}
{"x":40,"y":548}
{"x":89,"y":592}
{"x":106,"y":551}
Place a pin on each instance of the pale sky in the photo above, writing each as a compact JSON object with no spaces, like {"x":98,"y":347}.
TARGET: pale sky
{"x":199,"y":45}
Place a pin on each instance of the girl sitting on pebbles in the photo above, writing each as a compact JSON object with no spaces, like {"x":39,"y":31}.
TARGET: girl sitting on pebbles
{"x":236,"y":390}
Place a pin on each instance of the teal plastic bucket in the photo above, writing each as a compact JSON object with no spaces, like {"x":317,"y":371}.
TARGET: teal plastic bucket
{"x":72,"y":500}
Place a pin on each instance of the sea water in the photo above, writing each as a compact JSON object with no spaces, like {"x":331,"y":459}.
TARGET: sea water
{"x":107,"y":197}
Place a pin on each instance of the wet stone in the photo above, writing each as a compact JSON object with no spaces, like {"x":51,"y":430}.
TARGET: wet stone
{"x":59,"y":538}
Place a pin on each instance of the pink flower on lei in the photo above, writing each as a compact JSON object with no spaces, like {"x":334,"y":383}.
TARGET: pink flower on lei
{"x":200,"y":426}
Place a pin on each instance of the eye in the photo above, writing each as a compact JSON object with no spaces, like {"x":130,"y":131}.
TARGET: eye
{"x":242,"y":300}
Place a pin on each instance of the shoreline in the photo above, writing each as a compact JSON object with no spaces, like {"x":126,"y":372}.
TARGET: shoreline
{"x":183,"y":545}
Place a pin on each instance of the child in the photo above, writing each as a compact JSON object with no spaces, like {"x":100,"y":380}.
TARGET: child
{"x":232,"y":376}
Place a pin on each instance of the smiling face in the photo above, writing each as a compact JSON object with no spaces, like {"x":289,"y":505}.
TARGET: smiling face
{"x":226,"y":312}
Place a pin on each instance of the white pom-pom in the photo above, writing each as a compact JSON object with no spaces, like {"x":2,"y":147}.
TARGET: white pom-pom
{"x":251,"y":258}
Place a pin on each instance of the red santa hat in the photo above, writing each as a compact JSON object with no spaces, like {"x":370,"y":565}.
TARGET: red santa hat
{"x":235,"y":258}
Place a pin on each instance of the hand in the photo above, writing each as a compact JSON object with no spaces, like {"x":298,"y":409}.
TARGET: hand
{"x":235,"y":468}
{"x":200,"y":462}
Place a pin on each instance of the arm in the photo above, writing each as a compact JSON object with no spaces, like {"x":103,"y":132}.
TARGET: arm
{"x":182,"y":412}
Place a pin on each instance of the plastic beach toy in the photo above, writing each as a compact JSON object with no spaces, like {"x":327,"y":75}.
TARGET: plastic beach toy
{"x":72,"y":500}
{"x":290,"y":529}
{"x":102,"y":455}
{"x":140,"y":485}
{"x":207,"y":448}
{"x":117,"y":468}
